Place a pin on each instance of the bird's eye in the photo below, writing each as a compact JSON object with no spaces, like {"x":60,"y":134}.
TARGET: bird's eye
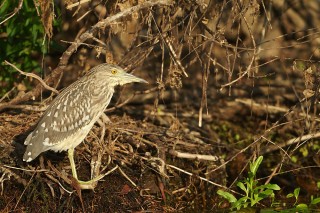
{"x":113,"y":72}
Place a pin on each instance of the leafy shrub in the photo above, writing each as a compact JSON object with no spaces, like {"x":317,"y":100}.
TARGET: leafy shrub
{"x":22,"y":41}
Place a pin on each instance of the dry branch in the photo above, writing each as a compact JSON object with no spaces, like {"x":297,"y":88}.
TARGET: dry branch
{"x":33,"y":76}
{"x":50,"y":79}
{"x":14,"y":12}
{"x":193,"y":156}
{"x":292,"y":141}
{"x":70,"y":6}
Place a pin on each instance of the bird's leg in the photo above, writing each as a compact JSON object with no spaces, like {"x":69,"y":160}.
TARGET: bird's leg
{"x":72,"y":164}
{"x":82,"y":184}
{"x":96,"y":161}
{"x":105,"y":119}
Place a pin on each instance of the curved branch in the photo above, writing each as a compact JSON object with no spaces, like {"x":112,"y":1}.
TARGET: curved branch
{"x":32,"y":76}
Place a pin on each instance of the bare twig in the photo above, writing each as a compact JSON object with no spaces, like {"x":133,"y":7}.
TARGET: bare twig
{"x":88,"y":45}
{"x":7,"y":94}
{"x":173,"y":54}
{"x":84,"y":15}
{"x":24,"y":190}
{"x":60,"y":184}
{"x":201,"y":178}
{"x":77,"y":4}
{"x":14,"y":12}
{"x":33,"y":76}
{"x":254,"y":54}
{"x":27,"y":170}
{"x":291,"y":142}
{"x":126,"y":176}
{"x":269,"y":108}
{"x":30,"y":107}
{"x":193,"y":156}
{"x":61,"y":175}
{"x":205,"y":78}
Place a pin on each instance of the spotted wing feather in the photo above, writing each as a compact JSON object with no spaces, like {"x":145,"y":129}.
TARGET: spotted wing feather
{"x":70,"y":112}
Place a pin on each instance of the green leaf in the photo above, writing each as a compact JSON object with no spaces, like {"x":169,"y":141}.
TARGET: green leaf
{"x":289,"y":195}
{"x":266,"y":193}
{"x":267,"y":186}
{"x":256,"y":199}
{"x":302,"y":206}
{"x":296,"y":192}
{"x":272,"y":186}
{"x":242,"y":186}
{"x":315,"y":201}
{"x":242,"y":202}
{"x":255,"y":165}
{"x":294,"y":159}
{"x":4,"y":7}
{"x":228,"y":196}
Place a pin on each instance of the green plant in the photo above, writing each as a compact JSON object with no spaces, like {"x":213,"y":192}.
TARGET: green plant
{"x":295,"y":194}
{"x":22,"y":41}
{"x":253,"y":192}
{"x":314,"y":201}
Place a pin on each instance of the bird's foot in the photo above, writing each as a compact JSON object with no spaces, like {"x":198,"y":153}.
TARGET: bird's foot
{"x":90,"y":184}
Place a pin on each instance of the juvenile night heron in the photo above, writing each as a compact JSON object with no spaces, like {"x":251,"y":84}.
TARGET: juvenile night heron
{"x":71,"y":115}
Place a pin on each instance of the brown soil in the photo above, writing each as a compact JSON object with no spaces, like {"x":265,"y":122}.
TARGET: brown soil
{"x":144,"y":144}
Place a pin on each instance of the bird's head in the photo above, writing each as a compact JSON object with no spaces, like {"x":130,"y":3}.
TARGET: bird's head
{"x":115,"y":75}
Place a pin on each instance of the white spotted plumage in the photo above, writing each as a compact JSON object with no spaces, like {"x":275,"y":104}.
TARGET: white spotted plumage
{"x":71,"y":115}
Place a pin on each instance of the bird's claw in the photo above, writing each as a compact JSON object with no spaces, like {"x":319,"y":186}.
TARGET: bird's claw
{"x":91,"y":184}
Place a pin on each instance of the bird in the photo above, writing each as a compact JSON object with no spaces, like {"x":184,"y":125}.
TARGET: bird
{"x":71,"y":115}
